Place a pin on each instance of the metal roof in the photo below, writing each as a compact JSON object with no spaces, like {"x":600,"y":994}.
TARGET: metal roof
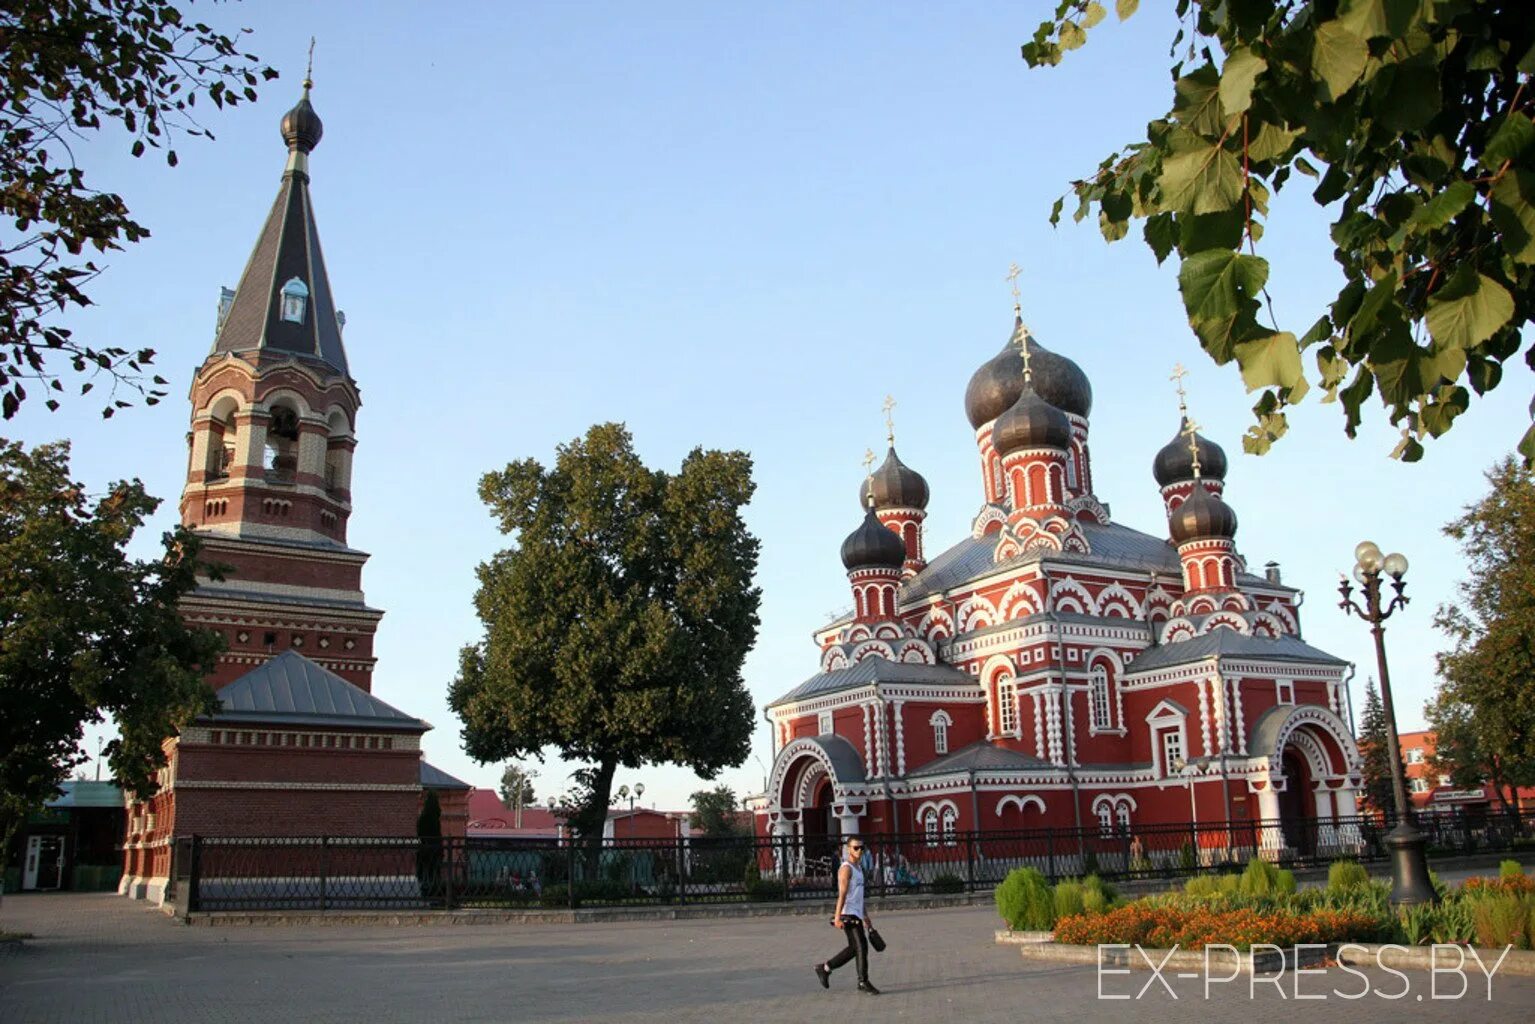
{"x":433,"y":777}
{"x":980,"y":756}
{"x":875,"y":669}
{"x":291,"y":689}
{"x":1223,"y":642}
{"x":83,"y":793}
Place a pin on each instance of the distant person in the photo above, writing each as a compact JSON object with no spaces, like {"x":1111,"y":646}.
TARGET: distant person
{"x":853,"y":918}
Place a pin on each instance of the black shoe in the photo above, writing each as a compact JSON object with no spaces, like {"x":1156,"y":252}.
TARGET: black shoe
{"x":864,"y":986}
{"x":825,"y":975}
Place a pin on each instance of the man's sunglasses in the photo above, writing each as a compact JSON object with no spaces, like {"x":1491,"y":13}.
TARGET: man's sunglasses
{"x":854,"y":847}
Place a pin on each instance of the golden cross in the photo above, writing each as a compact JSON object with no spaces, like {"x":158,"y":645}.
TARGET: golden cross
{"x":889,"y":408}
{"x":868,"y":468}
{"x":1188,"y":432}
{"x":1012,"y":278}
{"x":1023,"y":347}
{"x":309,"y":69}
{"x":1177,"y":378}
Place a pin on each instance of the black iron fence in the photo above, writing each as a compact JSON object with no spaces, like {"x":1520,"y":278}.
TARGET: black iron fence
{"x":212,"y":873}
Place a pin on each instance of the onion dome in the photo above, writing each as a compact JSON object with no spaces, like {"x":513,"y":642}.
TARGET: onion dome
{"x":895,"y":485}
{"x":301,"y":127}
{"x":999,"y":381}
{"x":1202,"y":516}
{"x":1175,"y":463}
{"x":872,"y":546}
{"x":1031,"y":422}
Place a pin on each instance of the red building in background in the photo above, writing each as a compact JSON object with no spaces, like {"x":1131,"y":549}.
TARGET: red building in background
{"x":1432,"y":791}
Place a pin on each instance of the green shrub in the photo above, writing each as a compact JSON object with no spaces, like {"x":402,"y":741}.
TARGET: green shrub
{"x":764,"y":890}
{"x":1417,"y":923}
{"x":1501,"y":921}
{"x":1025,"y":902}
{"x":1229,"y":885}
{"x":1095,"y":901}
{"x":1186,"y":859}
{"x":1093,"y":883}
{"x":1453,"y":922}
{"x":1068,"y":899}
{"x":1510,"y":869}
{"x":1284,"y":880}
{"x":1202,"y":885}
{"x":1260,"y":879}
{"x":1343,"y":875}
{"x":948,"y":883}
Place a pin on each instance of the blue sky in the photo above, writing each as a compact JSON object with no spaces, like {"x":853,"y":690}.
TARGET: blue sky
{"x":735,"y":227}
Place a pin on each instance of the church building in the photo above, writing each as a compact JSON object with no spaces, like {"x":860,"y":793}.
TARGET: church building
{"x":300,"y":746}
{"x":1055,"y":669}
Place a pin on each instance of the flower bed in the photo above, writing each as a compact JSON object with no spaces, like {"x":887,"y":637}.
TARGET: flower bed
{"x":1158,"y":926}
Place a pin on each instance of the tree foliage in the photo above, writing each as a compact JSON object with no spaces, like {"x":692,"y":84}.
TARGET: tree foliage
{"x":617,"y":622}
{"x":1413,"y":120}
{"x":73,"y":67}
{"x":1375,"y":752}
{"x":716,"y":812}
{"x":86,"y":633}
{"x":1487,"y":678}
{"x":517,"y":786}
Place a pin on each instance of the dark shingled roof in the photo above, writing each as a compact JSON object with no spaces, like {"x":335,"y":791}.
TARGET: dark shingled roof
{"x":288,"y":247}
{"x":981,"y":756}
{"x":433,"y":777}
{"x":292,"y":690}
{"x":875,"y":669}
{"x":1222,"y":642}
{"x":846,"y":765}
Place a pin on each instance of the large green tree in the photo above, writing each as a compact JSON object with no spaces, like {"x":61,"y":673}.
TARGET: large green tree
{"x":1375,"y":752}
{"x":72,"y":68}
{"x":1487,"y":677}
{"x":716,"y":813}
{"x":86,"y":633}
{"x":1412,"y":117}
{"x":617,"y":622}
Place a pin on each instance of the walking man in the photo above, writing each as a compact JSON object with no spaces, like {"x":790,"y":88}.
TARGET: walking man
{"x":853,"y":918}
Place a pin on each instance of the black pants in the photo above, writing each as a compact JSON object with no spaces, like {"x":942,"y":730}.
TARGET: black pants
{"x":857,"y":947}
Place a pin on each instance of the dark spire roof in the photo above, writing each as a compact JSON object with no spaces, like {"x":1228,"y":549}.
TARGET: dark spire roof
{"x":895,"y":485}
{"x":1202,"y":515}
{"x":1175,"y":463}
{"x":1030,"y":422}
{"x":287,"y":250}
{"x":999,"y":381}
{"x":872,"y":546}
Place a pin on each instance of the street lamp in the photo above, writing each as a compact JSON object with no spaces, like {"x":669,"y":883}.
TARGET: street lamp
{"x":1188,"y":771}
{"x":639,"y":791}
{"x":1410,"y":883}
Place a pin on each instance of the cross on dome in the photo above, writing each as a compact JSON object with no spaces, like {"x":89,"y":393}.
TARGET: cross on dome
{"x":889,"y":408}
{"x":1189,"y":432}
{"x":868,"y":470}
{"x":1177,"y":378}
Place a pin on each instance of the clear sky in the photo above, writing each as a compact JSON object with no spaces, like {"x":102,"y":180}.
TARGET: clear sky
{"x":731,"y":226}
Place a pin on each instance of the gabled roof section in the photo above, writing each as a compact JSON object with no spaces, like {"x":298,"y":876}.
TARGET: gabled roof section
{"x":1228,"y":643}
{"x":433,"y":777}
{"x":875,"y":669}
{"x":287,"y":248}
{"x":292,"y":690}
{"x":980,"y":756}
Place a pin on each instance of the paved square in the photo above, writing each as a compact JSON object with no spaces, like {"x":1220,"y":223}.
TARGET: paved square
{"x":100,"y":958}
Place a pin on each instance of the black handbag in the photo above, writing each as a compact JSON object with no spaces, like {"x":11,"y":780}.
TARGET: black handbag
{"x":876,"y":940}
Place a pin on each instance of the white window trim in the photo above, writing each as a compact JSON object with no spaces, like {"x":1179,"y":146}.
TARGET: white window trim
{"x":825,"y":724}
{"x":1284,"y":691}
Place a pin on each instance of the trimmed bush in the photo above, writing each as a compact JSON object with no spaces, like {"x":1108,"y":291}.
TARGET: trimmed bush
{"x":1285,"y":879}
{"x":1343,"y":875}
{"x":1202,"y":885}
{"x":1230,"y":885}
{"x":1068,"y":899}
{"x":1025,"y":902}
{"x":1510,"y":869}
{"x":948,"y":883}
{"x":1260,"y":879}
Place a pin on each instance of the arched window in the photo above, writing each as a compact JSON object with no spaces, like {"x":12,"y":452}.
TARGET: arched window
{"x":1105,"y":819}
{"x":940,"y":723}
{"x":930,"y":826}
{"x":1007,"y":705}
{"x":1103,"y":712}
{"x":1122,"y":813}
{"x":950,"y":826}
{"x":295,"y":296}
{"x":282,"y":444}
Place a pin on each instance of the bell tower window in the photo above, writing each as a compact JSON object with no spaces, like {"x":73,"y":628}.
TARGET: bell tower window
{"x":295,"y":296}
{"x":282,"y":445}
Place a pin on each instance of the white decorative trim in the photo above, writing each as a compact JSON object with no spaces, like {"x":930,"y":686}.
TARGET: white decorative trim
{"x":900,"y":739}
{"x":1021,"y":802}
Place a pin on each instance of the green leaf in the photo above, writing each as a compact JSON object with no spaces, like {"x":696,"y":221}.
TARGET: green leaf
{"x":1515,"y":135}
{"x":1237,"y":77}
{"x":1513,"y":211}
{"x":1125,"y":8}
{"x":1218,"y":288}
{"x":1469,"y":309}
{"x":1338,"y":58}
{"x":1271,"y":361}
{"x":1271,"y":142}
{"x":1093,"y":15}
{"x":1527,"y":446}
{"x":1072,"y":35}
{"x":1161,"y":233}
{"x":1444,"y":207}
{"x":1211,"y":231}
{"x":1199,"y":177}
{"x":1197,"y":101}
{"x":1407,"y":96}
{"x":1372,"y":18}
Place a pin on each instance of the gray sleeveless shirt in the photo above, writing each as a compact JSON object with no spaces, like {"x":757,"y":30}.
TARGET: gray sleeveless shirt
{"x":853,"y":903}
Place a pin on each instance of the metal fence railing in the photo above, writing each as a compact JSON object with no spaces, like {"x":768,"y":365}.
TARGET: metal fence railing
{"x":327,"y":873}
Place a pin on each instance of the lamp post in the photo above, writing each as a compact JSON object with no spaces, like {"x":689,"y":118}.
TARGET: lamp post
{"x":1187,"y":772}
{"x":1409,"y":861}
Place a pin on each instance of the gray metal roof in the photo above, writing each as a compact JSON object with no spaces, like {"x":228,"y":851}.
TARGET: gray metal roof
{"x":981,"y":756}
{"x":846,"y":765}
{"x":288,"y":247}
{"x":243,"y":594}
{"x":1222,"y":642}
{"x":291,"y":689}
{"x":872,"y":669}
{"x":433,"y":777}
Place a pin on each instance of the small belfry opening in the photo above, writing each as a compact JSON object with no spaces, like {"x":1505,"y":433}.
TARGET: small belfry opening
{"x":282,"y":444}
{"x":220,"y":452}
{"x":295,"y":299}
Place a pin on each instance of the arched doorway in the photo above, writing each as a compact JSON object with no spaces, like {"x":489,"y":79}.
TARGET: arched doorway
{"x":821,"y":828}
{"x":1297,"y":805}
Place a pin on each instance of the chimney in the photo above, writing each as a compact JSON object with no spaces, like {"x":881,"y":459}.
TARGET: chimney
{"x":1271,"y":572}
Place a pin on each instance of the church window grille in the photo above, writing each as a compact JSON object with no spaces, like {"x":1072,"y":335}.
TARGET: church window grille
{"x":930,"y":826}
{"x":1007,"y":705}
{"x":940,"y":722}
{"x":1172,"y":749}
{"x":295,"y":296}
{"x":1105,"y":819}
{"x":1102,"y":711}
{"x":1122,"y":813}
{"x":950,"y":826}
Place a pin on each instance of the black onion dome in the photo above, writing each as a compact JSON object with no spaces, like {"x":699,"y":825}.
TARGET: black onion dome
{"x":1175,"y":463}
{"x":996,"y":385}
{"x":895,"y":485}
{"x":301,"y":126}
{"x":1031,"y":422}
{"x":872,"y":546}
{"x":1202,"y":515}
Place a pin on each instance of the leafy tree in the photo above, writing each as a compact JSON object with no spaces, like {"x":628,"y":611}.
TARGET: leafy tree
{"x":71,"y":67}
{"x":1460,"y":753}
{"x":617,"y":623}
{"x":1487,"y":679}
{"x":1375,"y":751}
{"x":1413,"y":119}
{"x":716,"y":813}
{"x":517,"y":786}
{"x":86,"y":633}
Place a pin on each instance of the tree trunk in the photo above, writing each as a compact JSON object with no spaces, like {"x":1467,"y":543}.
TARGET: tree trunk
{"x":596,"y":816}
